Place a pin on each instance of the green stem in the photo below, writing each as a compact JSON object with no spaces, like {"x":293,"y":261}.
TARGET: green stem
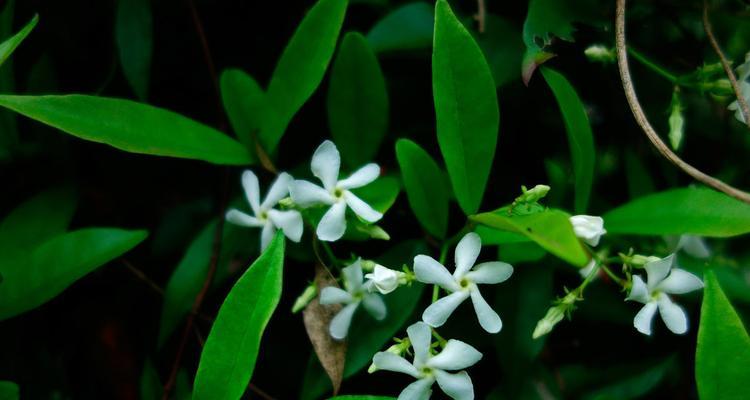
{"x":653,"y":66}
{"x":614,"y":277}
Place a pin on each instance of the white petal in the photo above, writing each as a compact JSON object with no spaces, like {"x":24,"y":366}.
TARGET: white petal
{"x":586,"y":271}
{"x":333,"y":295}
{"x":428,"y":270}
{"x":455,"y":356}
{"x":490,"y":272}
{"x":673,"y":315}
{"x":467,"y":252}
{"x":333,"y":224}
{"x":289,"y":221}
{"x":589,"y":228}
{"x":279,"y":189}
{"x":639,"y":292}
{"x":679,"y":282}
{"x":420,"y":336}
{"x":237,"y":217}
{"x":418,"y":390}
{"x":438,"y":312}
{"x":307,"y":194}
{"x":361,"y":208}
{"x":353,"y":276}
{"x":375,"y":305}
{"x":488,"y":318}
{"x":252,"y":190}
{"x":643,"y":319}
{"x":325,"y":165}
{"x":458,"y":386}
{"x":340,"y":323}
{"x":266,"y":235}
{"x":694,"y":246}
{"x":385,"y":280}
{"x":658,"y":270}
{"x":391,"y":362}
{"x":361,"y":177}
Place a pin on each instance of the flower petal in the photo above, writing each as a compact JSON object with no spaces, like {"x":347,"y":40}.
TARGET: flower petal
{"x":289,"y":221}
{"x":391,"y":362}
{"x":266,"y":235}
{"x":420,"y":336}
{"x":361,"y":177}
{"x":428,"y":270}
{"x":455,"y":356}
{"x":438,"y":312}
{"x":307,"y":194}
{"x":279,"y":189}
{"x":340,"y":323}
{"x":458,"y":386}
{"x":644,"y":318}
{"x":694,"y":246}
{"x":488,"y":318}
{"x":333,"y":295}
{"x":679,"y":282}
{"x":490,"y":272}
{"x":252,"y":190}
{"x":658,"y":270}
{"x":325,"y":164}
{"x":237,"y":217}
{"x":673,"y":315}
{"x":375,"y":305}
{"x":333,"y":224}
{"x":467,"y":251}
{"x":639,"y":291}
{"x":588,"y":227}
{"x":361,"y":208}
{"x":418,"y":390}
{"x":353,"y":276}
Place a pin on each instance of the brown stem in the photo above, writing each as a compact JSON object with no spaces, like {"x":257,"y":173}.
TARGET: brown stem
{"x":481,"y":15}
{"x":642,"y":120}
{"x":140,"y":275}
{"x":725,"y":63}
{"x":259,"y":392}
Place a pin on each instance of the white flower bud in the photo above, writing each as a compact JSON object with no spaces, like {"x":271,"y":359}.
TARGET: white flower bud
{"x":385,"y":279}
{"x":599,"y":53}
{"x":589,"y":228}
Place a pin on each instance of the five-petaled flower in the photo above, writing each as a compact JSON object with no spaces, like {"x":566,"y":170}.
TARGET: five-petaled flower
{"x":385,"y":280}
{"x":428,"y":368}
{"x":270,"y":219}
{"x":325,"y":165}
{"x":588,"y":227}
{"x":662,"y":280}
{"x":356,"y":293}
{"x":462,"y":284}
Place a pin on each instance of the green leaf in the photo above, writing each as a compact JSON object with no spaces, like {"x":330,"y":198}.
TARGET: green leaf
{"x":362,"y":397}
{"x":639,"y":180}
{"x":228,"y":358}
{"x":409,"y":27}
{"x":151,"y":387}
{"x":381,"y":194}
{"x":580,"y":138}
{"x":634,"y":385}
{"x":301,"y":68}
{"x":9,"y":46}
{"x":357,"y":101}
{"x":133,"y":32}
{"x":466,"y":108}
{"x":130,"y":126}
{"x":503,"y":48}
{"x":723,"y":354}
{"x":693,"y":210}
{"x":9,"y":391}
{"x":245,"y":104}
{"x":492,"y":236}
{"x":425,"y":189}
{"x":550,"y":229}
{"x":31,"y":279}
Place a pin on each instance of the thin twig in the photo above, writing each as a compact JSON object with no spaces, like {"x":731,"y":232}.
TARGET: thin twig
{"x":725,"y":63}
{"x":140,"y":275}
{"x":481,"y":15}
{"x":259,"y":392}
{"x":642,"y":120}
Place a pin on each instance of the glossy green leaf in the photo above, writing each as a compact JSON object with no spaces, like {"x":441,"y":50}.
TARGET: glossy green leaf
{"x":245,"y":104}
{"x":31,"y":279}
{"x":527,"y":251}
{"x":723,"y":354}
{"x":550,"y":229}
{"x":580,"y":137}
{"x":130,"y":126}
{"x":425,"y":189}
{"x":466,"y":108}
{"x":134,"y":36}
{"x":228,"y":358}
{"x":408,"y":27}
{"x":357,"y":101}
{"x":693,"y":210}
{"x":9,"y":391}
{"x":491,"y":236}
{"x":731,"y":277}
{"x":301,"y":68}
{"x":9,"y":45}
{"x":380,"y":194}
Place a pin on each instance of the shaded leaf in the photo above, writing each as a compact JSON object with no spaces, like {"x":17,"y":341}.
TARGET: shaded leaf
{"x":244,"y":103}
{"x":9,"y":391}
{"x":408,"y":27}
{"x":9,"y":45}
{"x":503,"y":48}
{"x":151,"y":387}
{"x":133,"y":32}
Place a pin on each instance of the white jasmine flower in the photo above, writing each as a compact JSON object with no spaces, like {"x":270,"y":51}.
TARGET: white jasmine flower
{"x":265,"y":215}
{"x":428,"y":368}
{"x":336,"y":193}
{"x":588,"y":228}
{"x":735,"y":105}
{"x":356,"y":293}
{"x":662,"y":280}
{"x":692,"y":245}
{"x":385,"y":280}
{"x":463,"y":283}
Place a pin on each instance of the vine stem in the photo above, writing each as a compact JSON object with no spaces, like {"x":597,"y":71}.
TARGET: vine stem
{"x":642,"y":120}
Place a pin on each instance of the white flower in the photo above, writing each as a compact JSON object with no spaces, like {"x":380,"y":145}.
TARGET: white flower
{"x":428,"y":368}
{"x":588,"y":228}
{"x":265,"y":215}
{"x":662,"y":279}
{"x":355,"y":294}
{"x":462,"y":284}
{"x":325,"y":166}
{"x":692,"y":245}
{"x":385,"y":280}
{"x":735,"y":105}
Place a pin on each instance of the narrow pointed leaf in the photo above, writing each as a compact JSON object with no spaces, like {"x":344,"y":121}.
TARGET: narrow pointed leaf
{"x":134,"y":36}
{"x":406,"y":28}
{"x":245,"y":104}
{"x":9,"y":45}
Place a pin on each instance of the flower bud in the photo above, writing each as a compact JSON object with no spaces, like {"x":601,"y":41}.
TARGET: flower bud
{"x":676,"y":122}
{"x":397,"y":349}
{"x":305,"y":298}
{"x":599,"y":53}
{"x":639,"y":260}
{"x":385,"y":279}
{"x":589,"y":228}
{"x":546,"y":324}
